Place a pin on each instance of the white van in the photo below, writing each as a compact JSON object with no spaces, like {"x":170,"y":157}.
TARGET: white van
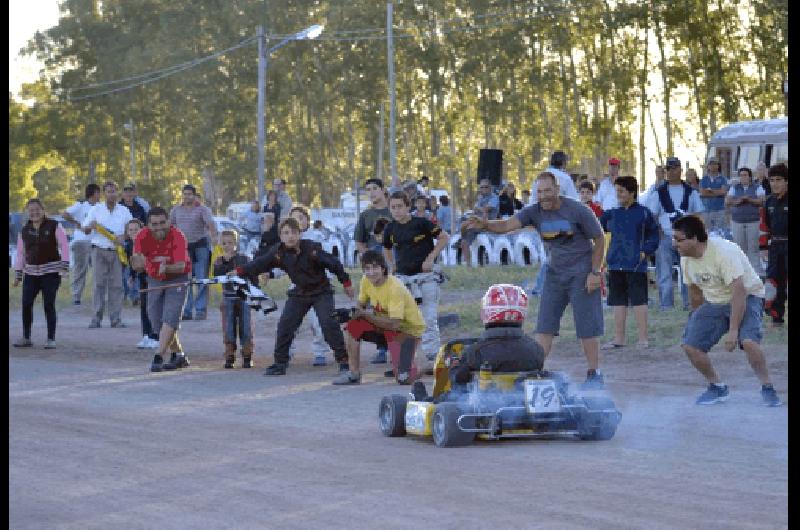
{"x":746,"y":143}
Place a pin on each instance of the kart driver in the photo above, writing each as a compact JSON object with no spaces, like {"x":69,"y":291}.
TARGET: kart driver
{"x":503,"y":346}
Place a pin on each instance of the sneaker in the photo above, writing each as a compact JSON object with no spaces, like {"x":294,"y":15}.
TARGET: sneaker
{"x":594,"y":380}
{"x":228,"y":363}
{"x":172,"y":364}
{"x":247,"y":362}
{"x":388,"y":373}
{"x":118,"y":324}
{"x":276,"y":369}
{"x":347,"y":378}
{"x":181,"y":360}
{"x":158,"y":364}
{"x":50,"y":344}
{"x":186,"y":317}
{"x":76,"y":302}
{"x":403,"y":378}
{"x":144,"y":343}
{"x":23,"y":343}
{"x":714,"y":394}
{"x":152,"y":343}
{"x":380,"y":357}
{"x":770,"y":396}
{"x":320,"y":361}
{"x":200,"y":316}
{"x":419,"y":391}
{"x":95,"y":324}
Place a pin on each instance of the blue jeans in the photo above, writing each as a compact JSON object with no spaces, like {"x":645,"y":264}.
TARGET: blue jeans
{"x":200,"y":257}
{"x":665,"y":255}
{"x":236,"y":322}
{"x":129,"y":291}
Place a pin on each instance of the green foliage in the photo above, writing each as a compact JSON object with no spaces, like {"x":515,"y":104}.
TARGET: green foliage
{"x":539,"y":77}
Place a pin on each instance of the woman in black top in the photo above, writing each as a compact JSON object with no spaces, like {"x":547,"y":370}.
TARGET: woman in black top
{"x":272,"y":205}
{"x":509,"y":203}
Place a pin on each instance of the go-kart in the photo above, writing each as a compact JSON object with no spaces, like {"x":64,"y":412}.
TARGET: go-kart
{"x":496,"y":405}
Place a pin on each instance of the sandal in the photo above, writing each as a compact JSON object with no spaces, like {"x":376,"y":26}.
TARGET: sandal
{"x":644,"y":344}
{"x":611,"y":346}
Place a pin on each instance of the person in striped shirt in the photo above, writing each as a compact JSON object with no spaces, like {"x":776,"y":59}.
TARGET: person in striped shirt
{"x":42,"y":255}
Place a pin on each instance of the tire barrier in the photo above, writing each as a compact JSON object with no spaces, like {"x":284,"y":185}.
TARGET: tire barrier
{"x":480,"y":250}
{"x":502,"y":251}
{"x":528,"y":248}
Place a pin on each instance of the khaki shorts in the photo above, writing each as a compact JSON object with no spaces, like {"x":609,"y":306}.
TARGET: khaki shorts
{"x":165,"y":306}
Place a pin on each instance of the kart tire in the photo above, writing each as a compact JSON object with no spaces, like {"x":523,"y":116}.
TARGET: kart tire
{"x":445,"y":429}
{"x":597,"y":423}
{"x":392,"y":415}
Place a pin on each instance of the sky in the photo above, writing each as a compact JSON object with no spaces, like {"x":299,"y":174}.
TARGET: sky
{"x":25,"y":18}
{"x":28,"y":16}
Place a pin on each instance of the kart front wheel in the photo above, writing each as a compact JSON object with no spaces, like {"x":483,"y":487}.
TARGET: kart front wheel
{"x":446,"y":432}
{"x":392,"y":415}
{"x":600,"y":420}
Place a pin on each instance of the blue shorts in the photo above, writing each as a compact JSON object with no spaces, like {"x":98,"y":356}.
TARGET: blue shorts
{"x":709,"y":323}
{"x":561,"y":289}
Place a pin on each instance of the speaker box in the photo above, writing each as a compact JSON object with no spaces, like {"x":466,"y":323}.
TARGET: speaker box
{"x":490,"y":166}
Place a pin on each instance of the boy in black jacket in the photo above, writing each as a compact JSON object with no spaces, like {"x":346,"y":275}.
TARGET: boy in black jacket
{"x":305,"y":262}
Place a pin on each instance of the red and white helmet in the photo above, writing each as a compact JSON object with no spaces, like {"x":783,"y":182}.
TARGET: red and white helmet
{"x":504,"y":303}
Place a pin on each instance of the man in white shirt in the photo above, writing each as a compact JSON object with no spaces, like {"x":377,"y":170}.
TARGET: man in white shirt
{"x":669,"y":201}
{"x":606,"y":193}
{"x":558,"y":160}
{"x":728,"y":304}
{"x":81,"y":245}
{"x":113,"y":216}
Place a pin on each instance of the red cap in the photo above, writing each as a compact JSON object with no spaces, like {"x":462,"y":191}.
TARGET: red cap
{"x":613,"y":161}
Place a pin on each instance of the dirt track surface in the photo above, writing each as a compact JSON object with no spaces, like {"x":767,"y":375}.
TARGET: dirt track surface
{"x":96,"y":441}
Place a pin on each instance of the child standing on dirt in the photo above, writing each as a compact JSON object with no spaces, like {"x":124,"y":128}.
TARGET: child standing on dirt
{"x":149,"y":335}
{"x":236,"y":319}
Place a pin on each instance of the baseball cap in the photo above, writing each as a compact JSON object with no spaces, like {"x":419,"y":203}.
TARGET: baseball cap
{"x":673,"y":161}
{"x":613,"y":161}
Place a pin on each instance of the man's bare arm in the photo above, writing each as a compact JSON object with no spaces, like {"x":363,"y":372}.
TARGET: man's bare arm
{"x":497,"y":226}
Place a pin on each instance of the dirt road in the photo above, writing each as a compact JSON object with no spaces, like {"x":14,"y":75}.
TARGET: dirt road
{"x":96,"y":441}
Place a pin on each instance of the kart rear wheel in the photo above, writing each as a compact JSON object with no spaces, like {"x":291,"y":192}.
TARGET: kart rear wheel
{"x":598,"y":423}
{"x":392,"y":415}
{"x":446,"y":432}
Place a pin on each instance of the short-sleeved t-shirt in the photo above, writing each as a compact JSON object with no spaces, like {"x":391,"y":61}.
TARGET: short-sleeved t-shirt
{"x":713,"y":272}
{"x":713,"y":204}
{"x":366,"y":223}
{"x":412,"y":241}
{"x":79,"y":211}
{"x":393,"y":300}
{"x":492,"y":201}
{"x":191,"y":220}
{"x":173,"y":246}
{"x":567,"y":234}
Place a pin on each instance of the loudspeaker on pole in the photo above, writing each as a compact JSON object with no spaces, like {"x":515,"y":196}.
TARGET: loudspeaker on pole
{"x":490,"y":166}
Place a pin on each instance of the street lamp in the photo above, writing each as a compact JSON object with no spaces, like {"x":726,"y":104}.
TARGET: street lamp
{"x":129,"y":127}
{"x":311,"y":32}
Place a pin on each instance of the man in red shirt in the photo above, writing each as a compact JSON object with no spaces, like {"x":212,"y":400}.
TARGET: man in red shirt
{"x":161,"y":251}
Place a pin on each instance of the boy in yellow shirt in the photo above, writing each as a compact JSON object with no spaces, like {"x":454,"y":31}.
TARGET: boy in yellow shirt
{"x":394,"y":315}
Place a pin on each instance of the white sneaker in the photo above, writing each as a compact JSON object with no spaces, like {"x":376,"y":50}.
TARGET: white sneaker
{"x":144,"y":343}
{"x":152,"y":343}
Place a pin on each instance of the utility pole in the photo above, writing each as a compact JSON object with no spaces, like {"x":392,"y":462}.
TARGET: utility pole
{"x":379,"y":169}
{"x":262,"y":77}
{"x":392,"y":106}
{"x":129,"y":126}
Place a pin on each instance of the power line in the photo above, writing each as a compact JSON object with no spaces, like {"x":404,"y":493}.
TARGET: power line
{"x":155,"y":75}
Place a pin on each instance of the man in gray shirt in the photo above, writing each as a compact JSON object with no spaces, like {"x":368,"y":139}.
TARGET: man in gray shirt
{"x":279,"y":185}
{"x":574,"y":242}
{"x":195,"y":220}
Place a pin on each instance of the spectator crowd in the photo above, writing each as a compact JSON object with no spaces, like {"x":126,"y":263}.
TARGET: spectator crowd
{"x":601,"y":238}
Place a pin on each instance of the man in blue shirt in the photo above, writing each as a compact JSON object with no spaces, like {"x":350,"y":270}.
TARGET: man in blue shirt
{"x":713,"y":188}
{"x":486,"y":207}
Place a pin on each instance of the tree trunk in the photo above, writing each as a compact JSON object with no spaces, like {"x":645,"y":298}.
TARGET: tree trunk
{"x":666,"y":81}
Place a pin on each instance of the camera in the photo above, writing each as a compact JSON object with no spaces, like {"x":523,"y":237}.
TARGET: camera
{"x":343,"y":314}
